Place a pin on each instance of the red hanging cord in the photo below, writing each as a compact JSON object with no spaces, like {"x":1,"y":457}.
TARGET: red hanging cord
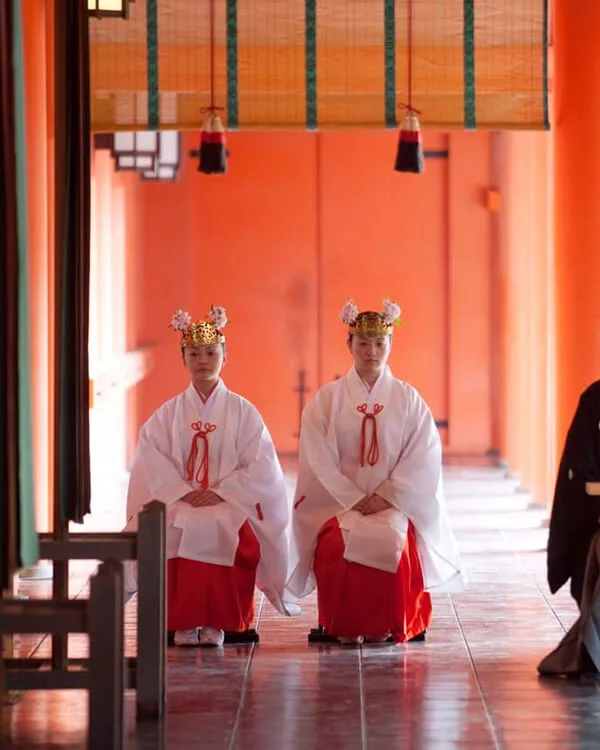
{"x":410,"y":39}
{"x":409,"y":154}
{"x":213,"y":156}
{"x":212,"y":53}
{"x":201,"y":435}
{"x":370,"y":454}
{"x":409,"y":24}
{"x":211,"y":25}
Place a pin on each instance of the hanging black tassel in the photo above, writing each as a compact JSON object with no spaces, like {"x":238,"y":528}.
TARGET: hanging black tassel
{"x":213,"y":155}
{"x":409,"y":157}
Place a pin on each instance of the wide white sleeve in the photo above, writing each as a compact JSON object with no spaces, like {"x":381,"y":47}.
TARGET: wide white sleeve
{"x":415,"y":488}
{"x":319,"y":453}
{"x":257,"y":485}
{"x":153,"y":468}
{"x":416,"y":476}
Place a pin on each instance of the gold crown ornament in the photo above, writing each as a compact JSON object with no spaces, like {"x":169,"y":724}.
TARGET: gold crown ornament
{"x":371,"y":324}
{"x":202,"y":332}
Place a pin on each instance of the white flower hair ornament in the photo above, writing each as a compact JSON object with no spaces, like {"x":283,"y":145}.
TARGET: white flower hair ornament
{"x":181,"y":321}
{"x":391,"y":312}
{"x":349,"y":312}
{"x":218,"y":316}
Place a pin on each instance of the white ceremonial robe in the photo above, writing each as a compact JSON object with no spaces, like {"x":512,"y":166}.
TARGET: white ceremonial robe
{"x":408,"y":474}
{"x":243,"y":469}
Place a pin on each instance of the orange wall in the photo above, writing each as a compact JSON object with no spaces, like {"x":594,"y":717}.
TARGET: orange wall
{"x":257,"y":254}
{"x":383,"y":234}
{"x":470,"y":332}
{"x":301,"y":222}
{"x":168,"y":225}
{"x":526,"y":278}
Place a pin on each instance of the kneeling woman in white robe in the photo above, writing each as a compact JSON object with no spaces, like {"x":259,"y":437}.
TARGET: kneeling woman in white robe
{"x":208,"y":456}
{"x":369,"y":525}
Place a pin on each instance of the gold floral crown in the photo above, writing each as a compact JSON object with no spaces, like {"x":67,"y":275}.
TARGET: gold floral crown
{"x":371,"y":324}
{"x":202,"y":332}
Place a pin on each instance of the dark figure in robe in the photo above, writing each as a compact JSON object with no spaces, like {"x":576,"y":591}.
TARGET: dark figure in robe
{"x":576,"y":510}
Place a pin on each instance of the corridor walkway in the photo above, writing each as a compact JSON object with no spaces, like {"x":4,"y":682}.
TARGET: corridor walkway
{"x":473,"y":684}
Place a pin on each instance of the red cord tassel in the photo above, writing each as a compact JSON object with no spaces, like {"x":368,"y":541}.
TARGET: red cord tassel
{"x":213,"y":154}
{"x":409,"y":156}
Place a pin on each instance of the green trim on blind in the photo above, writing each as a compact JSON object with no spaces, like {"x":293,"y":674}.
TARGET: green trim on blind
{"x":311,"y":63}
{"x":152,"y":52}
{"x":389,"y":28}
{"x":469,"y":63}
{"x":232,"y":66}
{"x":545,"y":65}
{"x":28,"y":540}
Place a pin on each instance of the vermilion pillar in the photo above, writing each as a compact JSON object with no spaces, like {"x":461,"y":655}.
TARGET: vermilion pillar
{"x":34,"y":43}
{"x":577,"y":203}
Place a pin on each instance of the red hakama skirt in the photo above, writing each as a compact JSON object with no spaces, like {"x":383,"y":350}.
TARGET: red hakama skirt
{"x":358,"y":600}
{"x":217,"y":596}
